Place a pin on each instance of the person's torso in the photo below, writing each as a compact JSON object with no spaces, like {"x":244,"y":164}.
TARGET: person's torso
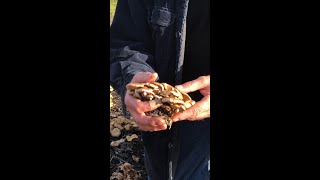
{"x":164,"y":20}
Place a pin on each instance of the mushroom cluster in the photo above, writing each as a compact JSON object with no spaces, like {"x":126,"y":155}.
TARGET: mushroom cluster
{"x":129,"y":138}
{"x":117,"y":143}
{"x":119,"y":124}
{"x":161,"y":95}
{"x":126,"y":173}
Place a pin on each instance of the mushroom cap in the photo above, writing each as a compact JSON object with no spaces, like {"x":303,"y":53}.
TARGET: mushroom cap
{"x":185,"y":96}
{"x":116,"y":143}
{"x":115,"y":132}
{"x":160,"y":86}
{"x":130,"y":138}
{"x":144,"y":89}
{"x":127,"y":127}
{"x":153,"y":86}
{"x":126,"y":167}
{"x":134,"y":86}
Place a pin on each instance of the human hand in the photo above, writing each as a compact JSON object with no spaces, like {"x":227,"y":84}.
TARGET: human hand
{"x":201,"y":109}
{"x":137,"y":108}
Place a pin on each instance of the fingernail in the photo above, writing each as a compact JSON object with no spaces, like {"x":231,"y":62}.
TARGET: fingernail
{"x":165,"y":126}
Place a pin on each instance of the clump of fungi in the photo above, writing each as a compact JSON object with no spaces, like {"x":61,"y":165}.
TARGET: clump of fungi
{"x":126,"y":172}
{"x":119,"y":124}
{"x":166,"y":98}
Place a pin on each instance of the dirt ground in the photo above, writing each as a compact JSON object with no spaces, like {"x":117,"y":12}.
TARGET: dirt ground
{"x":124,"y":152}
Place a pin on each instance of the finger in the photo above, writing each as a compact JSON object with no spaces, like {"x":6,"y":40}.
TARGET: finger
{"x":159,"y":127}
{"x":195,"y":111}
{"x":189,"y":114}
{"x":162,"y":127}
{"x":205,"y":91}
{"x":200,"y":116}
{"x":146,"y":128}
{"x":143,"y":120}
{"x":142,"y":77}
{"x":194,"y":85}
{"x":151,"y":129}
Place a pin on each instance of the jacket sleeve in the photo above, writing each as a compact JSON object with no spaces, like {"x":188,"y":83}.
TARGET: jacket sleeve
{"x":130,"y":44}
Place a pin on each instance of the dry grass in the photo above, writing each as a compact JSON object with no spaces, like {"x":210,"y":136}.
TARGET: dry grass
{"x":113,"y":5}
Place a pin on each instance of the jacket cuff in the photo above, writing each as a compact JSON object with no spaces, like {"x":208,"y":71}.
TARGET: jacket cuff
{"x":123,"y":94}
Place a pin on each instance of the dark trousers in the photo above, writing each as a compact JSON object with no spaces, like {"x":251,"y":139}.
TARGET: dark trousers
{"x":184,"y":150}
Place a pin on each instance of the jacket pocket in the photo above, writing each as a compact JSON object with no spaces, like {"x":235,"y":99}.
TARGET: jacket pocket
{"x":162,"y":26}
{"x":160,"y":22}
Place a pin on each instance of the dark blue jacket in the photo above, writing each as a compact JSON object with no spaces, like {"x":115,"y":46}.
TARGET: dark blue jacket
{"x":149,"y":36}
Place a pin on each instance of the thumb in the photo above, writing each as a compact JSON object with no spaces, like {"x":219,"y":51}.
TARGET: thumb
{"x":142,"y":77}
{"x":194,"y":85}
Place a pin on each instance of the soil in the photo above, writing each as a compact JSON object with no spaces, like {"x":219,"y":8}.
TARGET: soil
{"x":123,"y":153}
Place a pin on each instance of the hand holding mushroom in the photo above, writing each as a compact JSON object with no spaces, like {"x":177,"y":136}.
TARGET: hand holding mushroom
{"x":201,"y":109}
{"x":137,"y":107}
{"x":163,"y":99}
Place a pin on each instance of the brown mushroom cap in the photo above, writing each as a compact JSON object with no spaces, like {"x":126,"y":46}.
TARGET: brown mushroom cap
{"x":185,"y":96}
{"x":177,"y":94}
{"x":128,"y":127}
{"x":130,"y":138}
{"x":144,"y":89}
{"x":117,"y":143}
{"x":115,"y":132}
{"x":172,"y":100}
{"x":160,"y":86}
{"x":153,"y":86}
{"x":134,"y":86}
{"x":126,"y":167}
